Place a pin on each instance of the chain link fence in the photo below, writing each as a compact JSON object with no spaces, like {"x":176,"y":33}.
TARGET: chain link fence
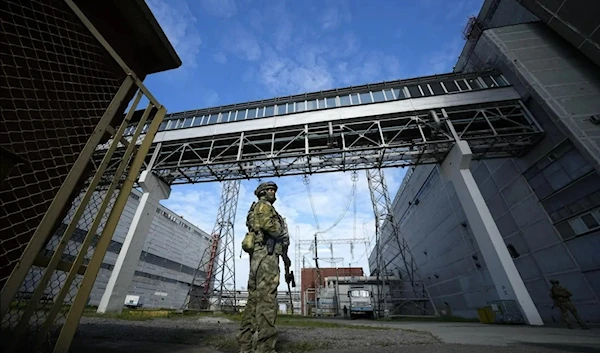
{"x":62,"y":98}
{"x":45,"y":322}
{"x":58,"y":82}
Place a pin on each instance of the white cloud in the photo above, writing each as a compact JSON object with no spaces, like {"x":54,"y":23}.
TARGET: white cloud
{"x":318,"y":67}
{"x":370,"y":67}
{"x":220,"y":8}
{"x":241,"y":42}
{"x":220,"y":58}
{"x":294,"y":58}
{"x":179,"y":25}
{"x":283,"y":75}
{"x":337,"y":13}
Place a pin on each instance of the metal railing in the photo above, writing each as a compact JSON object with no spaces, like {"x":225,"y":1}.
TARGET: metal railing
{"x":46,"y":293}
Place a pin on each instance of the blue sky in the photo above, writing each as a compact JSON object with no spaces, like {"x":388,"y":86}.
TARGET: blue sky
{"x":241,"y":50}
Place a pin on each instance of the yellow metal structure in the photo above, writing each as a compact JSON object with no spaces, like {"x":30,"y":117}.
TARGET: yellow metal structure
{"x":486,"y":315}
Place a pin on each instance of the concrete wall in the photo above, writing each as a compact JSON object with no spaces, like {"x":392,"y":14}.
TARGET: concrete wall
{"x":546,"y":203}
{"x":546,"y":68}
{"x":577,"y":21}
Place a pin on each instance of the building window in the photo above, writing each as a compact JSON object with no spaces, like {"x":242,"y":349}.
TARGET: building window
{"x":450,"y":86}
{"x":378,"y":96}
{"x":365,"y":98}
{"x":197,"y":120}
{"x":557,"y":169}
{"x":580,"y":225}
{"x":331,"y":103}
{"x":437,"y":88}
{"x":345,"y":100}
{"x":270,"y":111}
{"x":414,"y":91}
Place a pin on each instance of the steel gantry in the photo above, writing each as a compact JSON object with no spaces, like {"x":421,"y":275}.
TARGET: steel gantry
{"x":390,"y":124}
{"x":411,"y":128}
{"x":497,"y":130}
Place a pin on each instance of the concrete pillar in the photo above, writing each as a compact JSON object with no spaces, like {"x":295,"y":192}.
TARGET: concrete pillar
{"x":507,"y":280}
{"x":114,"y":296}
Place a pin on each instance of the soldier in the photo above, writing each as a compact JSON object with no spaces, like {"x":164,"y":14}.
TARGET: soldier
{"x":266,"y":240}
{"x":562,"y":300}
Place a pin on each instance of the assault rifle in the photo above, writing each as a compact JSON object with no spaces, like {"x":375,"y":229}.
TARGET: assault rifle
{"x":289,"y":278}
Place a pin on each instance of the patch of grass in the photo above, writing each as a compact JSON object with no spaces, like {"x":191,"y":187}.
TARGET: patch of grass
{"x":143,"y":315}
{"x":431,"y":319}
{"x":303,"y":321}
{"x":131,"y":315}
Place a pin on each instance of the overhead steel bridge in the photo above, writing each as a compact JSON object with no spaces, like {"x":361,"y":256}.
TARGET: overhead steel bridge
{"x":389,"y":124}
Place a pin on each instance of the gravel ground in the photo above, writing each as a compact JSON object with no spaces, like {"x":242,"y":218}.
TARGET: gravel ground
{"x":219,"y":334}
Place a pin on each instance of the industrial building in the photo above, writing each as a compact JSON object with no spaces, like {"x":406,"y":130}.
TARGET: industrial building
{"x":546,"y":202}
{"x":166,"y":266}
{"x":309,"y":281}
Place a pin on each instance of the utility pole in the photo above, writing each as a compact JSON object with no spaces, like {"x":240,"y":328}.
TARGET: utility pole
{"x":318,"y":277}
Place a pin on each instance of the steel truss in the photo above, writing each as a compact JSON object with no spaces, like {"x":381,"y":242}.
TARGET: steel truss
{"x":215,"y":273}
{"x":415,"y":299}
{"x":493,"y":130}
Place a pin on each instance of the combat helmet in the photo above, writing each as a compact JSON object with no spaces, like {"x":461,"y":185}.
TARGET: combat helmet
{"x":264,"y":186}
{"x":553,"y":281}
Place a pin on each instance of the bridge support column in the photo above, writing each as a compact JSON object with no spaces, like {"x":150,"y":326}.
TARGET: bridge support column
{"x":116,"y":291}
{"x":504,"y":273}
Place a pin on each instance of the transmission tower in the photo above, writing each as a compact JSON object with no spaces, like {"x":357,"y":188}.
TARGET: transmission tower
{"x":406,"y":301}
{"x":213,"y":286}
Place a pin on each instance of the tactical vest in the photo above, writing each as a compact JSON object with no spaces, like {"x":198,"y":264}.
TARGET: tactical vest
{"x":252,"y":237}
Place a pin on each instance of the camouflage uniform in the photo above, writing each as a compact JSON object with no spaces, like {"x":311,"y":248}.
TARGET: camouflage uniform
{"x":562,"y":300}
{"x":261,"y":309}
